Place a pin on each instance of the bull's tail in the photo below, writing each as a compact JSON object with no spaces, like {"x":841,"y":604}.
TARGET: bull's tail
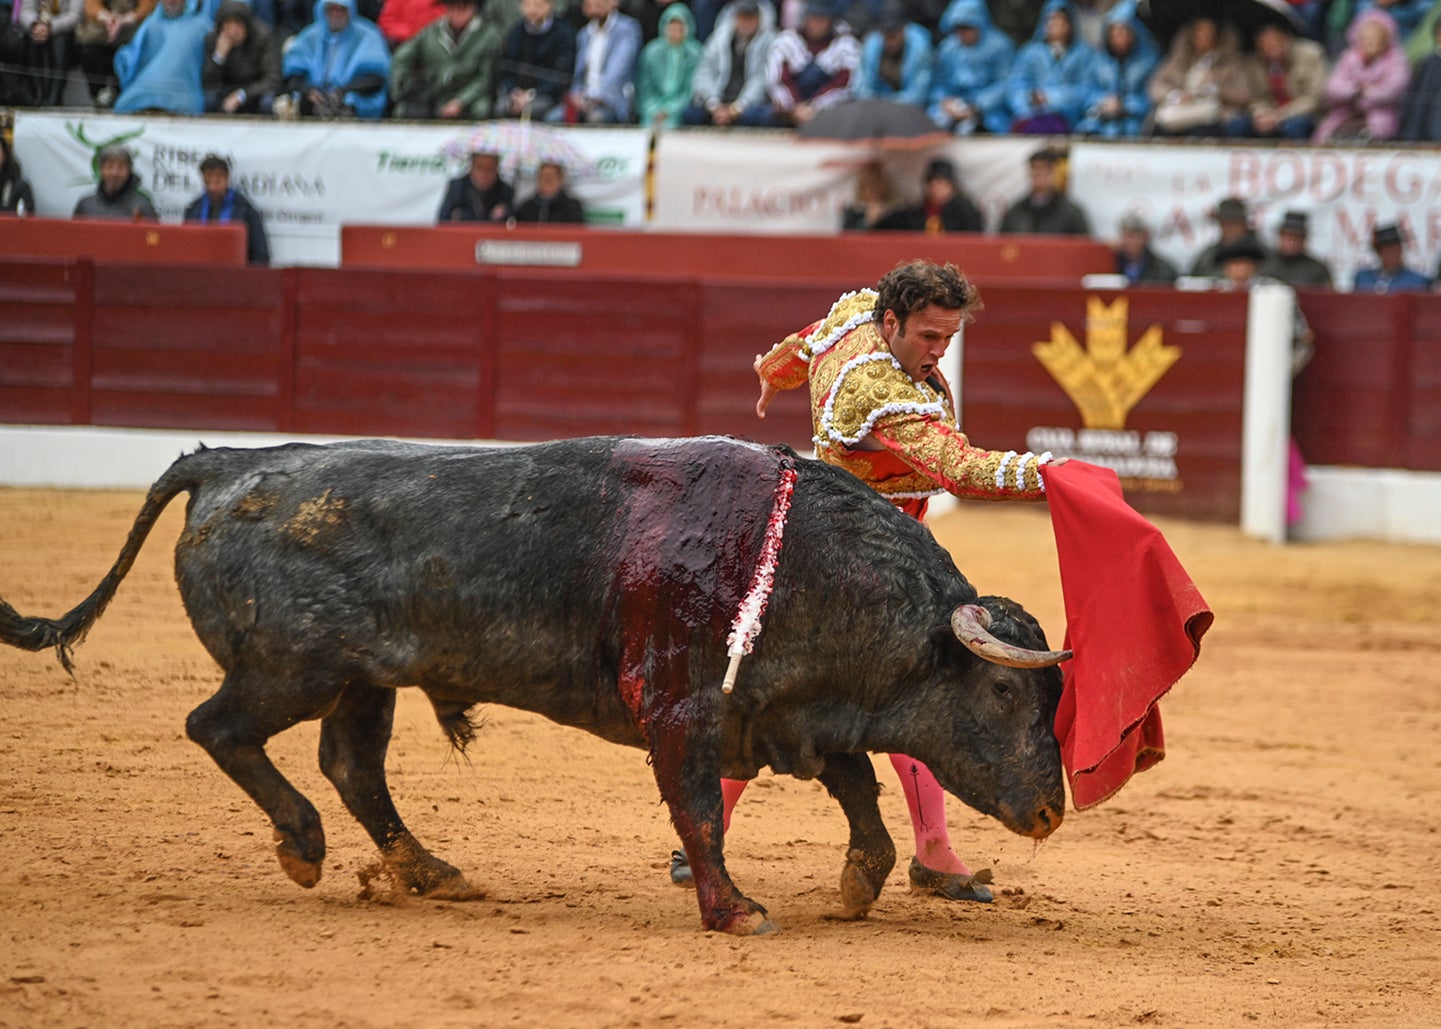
{"x":65,"y":632}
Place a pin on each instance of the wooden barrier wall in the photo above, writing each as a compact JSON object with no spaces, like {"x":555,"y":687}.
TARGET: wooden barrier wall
{"x":1371,"y":395}
{"x":524,"y":355}
{"x":140,"y":242}
{"x":848,"y":257}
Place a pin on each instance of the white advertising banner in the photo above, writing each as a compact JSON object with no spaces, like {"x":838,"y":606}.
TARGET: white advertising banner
{"x":306,"y":178}
{"x":1346,"y":193}
{"x":776,"y":183}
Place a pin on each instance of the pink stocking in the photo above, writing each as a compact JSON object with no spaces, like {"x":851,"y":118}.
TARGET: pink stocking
{"x":927,"y":803}
{"x":731,"y":790}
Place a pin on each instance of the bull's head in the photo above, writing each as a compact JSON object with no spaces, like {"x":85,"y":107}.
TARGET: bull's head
{"x":1008,"y":763}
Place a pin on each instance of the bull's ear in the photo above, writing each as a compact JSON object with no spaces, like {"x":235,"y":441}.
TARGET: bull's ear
{"x":972,"y":625}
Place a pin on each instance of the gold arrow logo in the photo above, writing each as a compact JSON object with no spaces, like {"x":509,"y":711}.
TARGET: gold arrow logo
{"x":1104,"y":379}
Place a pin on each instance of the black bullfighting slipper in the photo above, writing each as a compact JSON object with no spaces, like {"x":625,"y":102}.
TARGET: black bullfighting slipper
{"x":680,"y":869}
{"x":950,"y":885}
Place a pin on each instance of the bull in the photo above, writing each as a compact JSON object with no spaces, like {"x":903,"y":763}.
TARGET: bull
{"x":592,"y":581}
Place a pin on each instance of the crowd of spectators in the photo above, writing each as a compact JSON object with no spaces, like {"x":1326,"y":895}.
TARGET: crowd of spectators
{"x":1045,"y":209}
{"x":1340,"y":70}
{"x":1334,"y":70}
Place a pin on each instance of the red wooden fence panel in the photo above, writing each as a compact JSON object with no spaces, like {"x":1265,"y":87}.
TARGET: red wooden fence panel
{"x":38,"y":303}
{"x":127,"y":242}
{"x":1352,"y":403}
{"x":1423,"y":433}
{"x":386,"y":353}
{"x":738,"y":320}
{"x":582,"y":354}
{"x":853,"y":258}
{"x":186,"y":347}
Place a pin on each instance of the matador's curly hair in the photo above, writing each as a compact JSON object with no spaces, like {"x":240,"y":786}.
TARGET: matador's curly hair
{"x":913,"y":285}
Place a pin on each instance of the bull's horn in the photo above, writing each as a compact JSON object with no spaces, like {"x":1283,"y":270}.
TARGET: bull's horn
{"x":972,"y":625}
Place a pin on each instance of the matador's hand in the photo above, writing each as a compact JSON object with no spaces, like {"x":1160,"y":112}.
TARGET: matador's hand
{"x":768,"y":392}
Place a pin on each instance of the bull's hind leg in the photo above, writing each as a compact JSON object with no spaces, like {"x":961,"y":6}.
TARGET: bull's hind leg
{"x":354,"y":739}
{"x":233,"y":727}
{"x":851,"y":779}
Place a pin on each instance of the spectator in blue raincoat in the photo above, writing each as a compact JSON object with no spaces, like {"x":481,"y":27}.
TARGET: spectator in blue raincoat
{"x":895,"y":60}
{"x":666,"y":67}
{"x":159,"y":69}
{"x":337,"y":66}
{"x":1046,"y":89}
{"x":968,"y":85}
{"x":1118,"y":103}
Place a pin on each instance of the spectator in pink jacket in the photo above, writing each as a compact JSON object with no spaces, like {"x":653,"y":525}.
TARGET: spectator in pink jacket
{"x":1365,"y":90}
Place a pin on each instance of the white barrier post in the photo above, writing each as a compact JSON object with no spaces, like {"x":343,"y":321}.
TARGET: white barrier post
{"x":1266,"y":411}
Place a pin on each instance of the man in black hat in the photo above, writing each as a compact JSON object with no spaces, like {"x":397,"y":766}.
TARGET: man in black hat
{"x":1392,"y":276}
{"x":1291,"y":263}
{"x":1234,"y":223}
{"x":1046,"y":209}
{"x":943,"y":207}
{"x":1239,"y":263}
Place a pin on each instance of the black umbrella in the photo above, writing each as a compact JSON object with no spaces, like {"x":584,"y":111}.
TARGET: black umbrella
{"x":880,"y":121}
{"x":1164,"y":17}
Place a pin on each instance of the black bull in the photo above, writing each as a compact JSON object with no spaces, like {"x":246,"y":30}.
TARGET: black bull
{"x":592,"y":581}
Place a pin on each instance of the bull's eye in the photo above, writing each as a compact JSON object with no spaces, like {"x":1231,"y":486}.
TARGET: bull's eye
{"x":1002,"y":687}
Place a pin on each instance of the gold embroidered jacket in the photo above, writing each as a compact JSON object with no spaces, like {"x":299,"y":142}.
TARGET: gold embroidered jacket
{"x":872,"y":419}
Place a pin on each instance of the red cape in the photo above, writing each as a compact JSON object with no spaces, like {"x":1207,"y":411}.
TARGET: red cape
{"x":1134,"y":619}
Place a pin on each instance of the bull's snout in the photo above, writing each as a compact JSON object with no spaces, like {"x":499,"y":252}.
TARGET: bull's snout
{"x":1045,"y":821}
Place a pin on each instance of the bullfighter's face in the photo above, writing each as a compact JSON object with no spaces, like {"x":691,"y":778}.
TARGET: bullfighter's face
{"x":920,"y":344}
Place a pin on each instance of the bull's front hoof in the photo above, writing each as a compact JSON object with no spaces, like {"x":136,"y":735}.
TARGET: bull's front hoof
{"x":756,"y":923}
{"x":421,"y":874}
{"x":458,"y":887}
{"x":951,"y":885}
{"x":744,"y":918}
{"x":858,"y":893}
{"x":424,"y":875}
{"x":301,"y":869}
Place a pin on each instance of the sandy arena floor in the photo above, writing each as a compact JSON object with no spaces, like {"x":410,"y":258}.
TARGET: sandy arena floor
{"x":1282,"y":866}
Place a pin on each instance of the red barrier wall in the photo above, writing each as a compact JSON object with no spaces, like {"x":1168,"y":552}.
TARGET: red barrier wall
{"x":1178,"y":450}
{"x":526,"y":355}
{"x":130,"y":242}
{"x":846,"y":258}
{"x":1371,"y":395}
{"x":45,"y":342}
